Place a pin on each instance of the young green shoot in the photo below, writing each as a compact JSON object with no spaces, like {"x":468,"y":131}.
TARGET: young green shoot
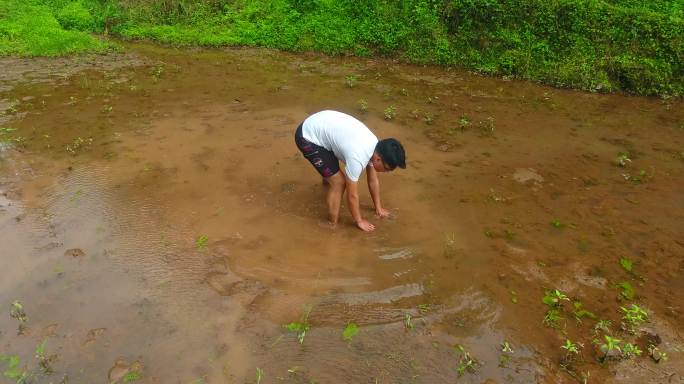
{"x":390,"y":112}
{"x":633,"y":317}
{"x":626,"y":264}
{"x":554,"y":298}
{"x":301,"y":327}
{"x":201,"y":242}
{"x":259,"y":375}
{"x":350,"y":331}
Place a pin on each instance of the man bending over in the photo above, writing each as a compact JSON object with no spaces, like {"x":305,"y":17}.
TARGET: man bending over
{"x":326,"y":137}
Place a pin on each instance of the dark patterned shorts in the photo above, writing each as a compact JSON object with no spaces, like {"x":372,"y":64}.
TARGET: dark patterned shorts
{"x":322,"y":159}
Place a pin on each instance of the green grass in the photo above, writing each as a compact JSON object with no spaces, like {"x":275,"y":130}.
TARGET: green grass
{"x":595,"y":45}
{"x":31,"y":29}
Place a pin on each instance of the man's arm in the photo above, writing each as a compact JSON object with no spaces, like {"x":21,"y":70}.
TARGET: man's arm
{"x":353,"y":203}
{"x":374,"y":189}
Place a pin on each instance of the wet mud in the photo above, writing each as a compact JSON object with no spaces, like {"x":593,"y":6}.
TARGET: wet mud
{"x":158,"y":225}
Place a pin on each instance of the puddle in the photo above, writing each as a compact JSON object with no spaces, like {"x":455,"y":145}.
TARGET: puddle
{"x":158,"y":224}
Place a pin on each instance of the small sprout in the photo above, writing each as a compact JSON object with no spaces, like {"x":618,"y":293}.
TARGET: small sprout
{"x":201,"y":242}
{"x":17,"y":311}
{"x":655,"y":354}
{"x":424,"y":308}
{"x":465,"y":362}
{"x":293,"y":371}
{"x":259,"y":375}
{"x":514,"y":297}
{"x":464,"y":122}
{"x":363,"y":105}
{"x":390,"y":112}
{"x":630,"y":350}
{"x":408,"y":324}
{"x":611,"y":348}
{"x":552,"y":318}
{"x":633,"y":316}
{"x":301,"y":327}
{"x":350,"y":331}
{"x":554,"y":298}
{"x":429,"y":118}
{"x":580,"y":312}
{"x":506,"y":347}
{"x":13,"y":370}
{"x":623,"y":159}
{"x":603,"y":325}
{"x":132,"y":376}
{"x":403,"y":92}
{"x":571,"y":348}
{"x":557,"y":224}
{"x":627,"y":292}
{"x":351,"y":81}
{"x":626,"y":264}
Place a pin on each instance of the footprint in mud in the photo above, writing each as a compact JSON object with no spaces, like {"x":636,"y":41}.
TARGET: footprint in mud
{"x":121,"y":370}
{"x":74,"y":252}
{"x":93,"y":335}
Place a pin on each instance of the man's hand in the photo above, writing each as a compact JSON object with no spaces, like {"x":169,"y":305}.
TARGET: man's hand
{"x":383,"y":213}
{"x":365,"y":225}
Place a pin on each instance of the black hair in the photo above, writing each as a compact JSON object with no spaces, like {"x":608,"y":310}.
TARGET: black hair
{"x":392,"y":153}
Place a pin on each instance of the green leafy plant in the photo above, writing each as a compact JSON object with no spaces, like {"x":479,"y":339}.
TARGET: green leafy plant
{"x":17,"y":311}
{"x":633,"y":317}
{"x":610,"y":346}
{"x":623,"y":160}
{"x":626,"y":264}
{"x":390,"y":112}
{"x":571,"y":348}
{"x":627,"y":291}
{"x":552,"y":318}
{"x":259,"y":375}
{"x":408,"y":324}
{"x":350,"y":331}
{"x":302,"y":326}
{"x":466,"y":363}
{"x":630,"y":350}
{"x":201,"y":242}
{"x":554,"y":298}
{"x":351,"y":81}
{"x":12,"y":370}
{"x":580,"y":312}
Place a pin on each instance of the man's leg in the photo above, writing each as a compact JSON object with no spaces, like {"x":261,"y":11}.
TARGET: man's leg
{"x":335,"y":187}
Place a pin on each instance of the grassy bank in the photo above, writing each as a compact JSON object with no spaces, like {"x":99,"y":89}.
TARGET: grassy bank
{"x":597,"y":45}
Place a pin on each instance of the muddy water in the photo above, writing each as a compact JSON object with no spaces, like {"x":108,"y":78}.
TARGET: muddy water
{"x":160,"y":226}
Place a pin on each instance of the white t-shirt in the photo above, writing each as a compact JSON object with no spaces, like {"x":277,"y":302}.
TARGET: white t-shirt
{"x":348,"y":138}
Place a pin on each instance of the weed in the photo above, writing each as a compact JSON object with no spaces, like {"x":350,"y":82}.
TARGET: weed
{"x":554,"y":298}
{"x":602,"y":326}
{"x":633,"y":317}
{"x":302,"y":326}
{"x":350,"y":331}
{"x":611,"y":348}
{"x":506,"y":352}
{"x":429,"y":118}
{"x":623,"y":160}
{"x":44,"y":361}
{"x":464,"y":122}
{"x":404,"y":92}
{"x":627,"y":291}
{"x":17,"y":311}
{"x":133,"y":375}
{"x":557,"y":224}
{"x":156,"y":72}
{"x":571,"y":348}
{"x":424,"y":308}
{"x":626,"y":264}
{"x":13,"y":371}
{"x":390,"y":112}
{"x":259,"y":375}
{"x":655,"y":354}
{"x":351,"y":81}
{"x":580,"y":312}
{"x":77,"y":144}
{"x":506,"y":347}
{"x":552,"y":318}
{"x":629,"y":350}
{"x":408,"y":324}
{"x":465,"y":362}
{"x":363,"y":105}
{"x":201,"y":242}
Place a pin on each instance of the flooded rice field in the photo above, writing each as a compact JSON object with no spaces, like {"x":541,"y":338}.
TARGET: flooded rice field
{"x":158,"y":225}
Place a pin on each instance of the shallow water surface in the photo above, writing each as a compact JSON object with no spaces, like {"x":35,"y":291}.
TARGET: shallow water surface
{"x":159,"y":225}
